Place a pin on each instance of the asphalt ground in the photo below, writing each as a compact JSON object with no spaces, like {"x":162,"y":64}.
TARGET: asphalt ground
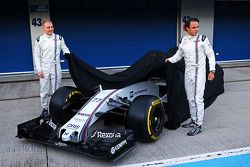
{"x":226,"y":126}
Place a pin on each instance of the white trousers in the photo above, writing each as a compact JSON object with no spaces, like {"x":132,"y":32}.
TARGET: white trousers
{"x":53,"y":77}
{"x":195,"y":86}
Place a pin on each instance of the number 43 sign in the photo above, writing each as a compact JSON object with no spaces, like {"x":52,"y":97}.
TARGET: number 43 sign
{"x":36,"y":22}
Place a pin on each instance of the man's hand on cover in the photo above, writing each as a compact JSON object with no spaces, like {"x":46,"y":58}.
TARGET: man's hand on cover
{"x":211,"y":76}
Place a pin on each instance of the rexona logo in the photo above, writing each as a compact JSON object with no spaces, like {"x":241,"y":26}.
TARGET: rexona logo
{"x":118,"y":146}
{"x":104,"y":135}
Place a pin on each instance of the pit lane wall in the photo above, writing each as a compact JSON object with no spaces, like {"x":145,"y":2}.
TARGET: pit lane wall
{"x":118,"y":36}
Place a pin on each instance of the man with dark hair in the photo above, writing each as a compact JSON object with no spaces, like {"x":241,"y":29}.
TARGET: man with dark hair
{"x":47,"y":61}
{"x":194,"y":48}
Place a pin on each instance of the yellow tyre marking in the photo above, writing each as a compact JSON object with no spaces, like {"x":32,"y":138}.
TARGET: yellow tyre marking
{"x":154,"y":137}
{"x":154,"y":103}
{"x":71,"y":94}
{"x":148,"y":121}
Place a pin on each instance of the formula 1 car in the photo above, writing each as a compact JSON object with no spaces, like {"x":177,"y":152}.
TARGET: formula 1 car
{"x":73,"y":116}
{"x":135,"y":99}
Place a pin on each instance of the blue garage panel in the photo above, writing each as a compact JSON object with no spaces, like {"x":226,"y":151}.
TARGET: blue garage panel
{"x":115,"y":32}
{"x":16,"y":53}
{"x":231,"y":32}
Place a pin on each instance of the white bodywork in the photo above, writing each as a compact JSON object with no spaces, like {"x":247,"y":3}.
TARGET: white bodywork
{"x":76,"y":129}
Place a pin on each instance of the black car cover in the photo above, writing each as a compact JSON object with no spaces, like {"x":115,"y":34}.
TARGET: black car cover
{"x":87,"y":78}
{"x":152,"y":64}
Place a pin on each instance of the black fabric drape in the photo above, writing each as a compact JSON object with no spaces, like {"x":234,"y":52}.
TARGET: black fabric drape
{"x":87,"y":78}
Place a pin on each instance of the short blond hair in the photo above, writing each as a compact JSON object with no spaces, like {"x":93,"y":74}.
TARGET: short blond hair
{"x":46,"y":21}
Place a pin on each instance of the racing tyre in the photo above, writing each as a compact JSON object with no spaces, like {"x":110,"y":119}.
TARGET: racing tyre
{"x":146,"y":117}
{"x":64,"y":103}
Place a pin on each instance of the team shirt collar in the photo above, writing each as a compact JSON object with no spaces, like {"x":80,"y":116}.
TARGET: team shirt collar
{"x":49,"y":36}
{"x":191,"y":37}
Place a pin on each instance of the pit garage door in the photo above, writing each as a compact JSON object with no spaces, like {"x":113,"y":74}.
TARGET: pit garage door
{"x":231,"y":30}
{"x":16,"y":53}
{"x":115,"y":32}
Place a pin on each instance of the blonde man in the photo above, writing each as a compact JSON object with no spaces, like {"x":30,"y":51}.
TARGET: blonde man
{"x":47,"y":61}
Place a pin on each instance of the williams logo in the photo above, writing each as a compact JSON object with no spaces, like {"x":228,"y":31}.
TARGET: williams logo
{"x":136,"y":93}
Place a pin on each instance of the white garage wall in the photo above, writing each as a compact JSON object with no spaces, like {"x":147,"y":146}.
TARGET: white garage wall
{"x":38,"y":11}
{"x":204,"y":10}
